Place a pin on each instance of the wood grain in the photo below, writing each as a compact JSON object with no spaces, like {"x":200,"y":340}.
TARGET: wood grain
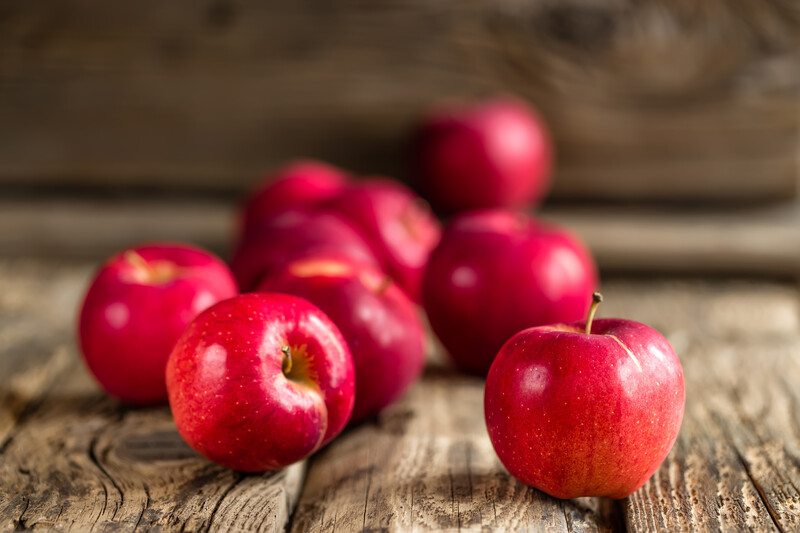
{"x":736,"y":464}
{"x":738,"y":240}
{"x":654,"y":99}
{"x":428,"y":464}
{"x":73,"y":459}
{"x":35,"y":333}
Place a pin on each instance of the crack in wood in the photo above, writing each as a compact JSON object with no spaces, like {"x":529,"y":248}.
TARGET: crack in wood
{"x":237,"y":478}
{"x":761,"y":493}
{"x":94,"y":458}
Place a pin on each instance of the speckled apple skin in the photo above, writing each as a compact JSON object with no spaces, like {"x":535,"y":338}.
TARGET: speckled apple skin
{"x":497,"y":272}
{"x":127,"y":328}
{"x":585,"y":415}
{"x":493,"y":154}
{"x":397,"y":224}
{"x":296,"y":234}
{"x":380,"y":324}
{"x":229,"y":396}
{"x":299,"y":184}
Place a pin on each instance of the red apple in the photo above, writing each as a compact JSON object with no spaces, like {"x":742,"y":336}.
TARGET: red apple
{"x":498,"y":272}
{"x":578,"y":410}
{"x":137,"y":306}
{"x":260,"y":381}
{"x":493,"y":154}
{"x":295,"y":234}
{"x":397,"y":224}
{"x":299,"y":184}
{"x":378,"y":321}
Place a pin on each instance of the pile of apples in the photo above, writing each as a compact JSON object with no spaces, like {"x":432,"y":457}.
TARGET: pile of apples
{"x":317,"y":323}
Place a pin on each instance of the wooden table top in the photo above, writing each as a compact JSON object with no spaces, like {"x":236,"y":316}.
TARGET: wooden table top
{"x":71,"y":458}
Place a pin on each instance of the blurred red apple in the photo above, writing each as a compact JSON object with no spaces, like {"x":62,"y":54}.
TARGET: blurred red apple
{"x":497,"y":272}
{"x":137,"y":306}
{"x":260,"y":381}
{"x":299,"y":184}
{"x":493,"y":154}
{"x":397,"y":224}
{"x":585,"y":411}
{"x":295,"y":234}
{"x":378,"y":321}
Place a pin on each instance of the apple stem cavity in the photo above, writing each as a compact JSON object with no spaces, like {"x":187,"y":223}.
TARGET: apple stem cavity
{"x":134,"y":258}
{"x":596,"y":299}
{"x":156,"y":272}
{"x":286,"y":364}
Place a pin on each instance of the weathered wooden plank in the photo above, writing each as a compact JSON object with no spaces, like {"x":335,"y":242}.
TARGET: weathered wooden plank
{"x":755,"y":240}
{"x":717,"y":309}
{"x":58,"y":227}
{"x":652,"y":99}
{"x":427,"y":464}
{"x":736,"y":464}
{"x":80,"y":462}
{"x":33,"y":333}
{"x":741,"y":240}
{"x":73,"y":459}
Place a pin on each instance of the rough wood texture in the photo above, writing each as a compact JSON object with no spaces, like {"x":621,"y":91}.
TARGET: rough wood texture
{"x":754,"y":240}
{"x":427,"y":463}
{"x":736,"y":465}
{"x":652,"y":99}
{"x":72,"y":459}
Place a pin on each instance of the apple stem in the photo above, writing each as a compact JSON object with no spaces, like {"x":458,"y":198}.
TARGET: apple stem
{"x":596,"y":299}
{"x":133,"y":257}
{"x":286,"y":365}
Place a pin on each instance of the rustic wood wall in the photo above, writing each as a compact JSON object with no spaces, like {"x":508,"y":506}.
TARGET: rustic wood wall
{"x":654,"y":99}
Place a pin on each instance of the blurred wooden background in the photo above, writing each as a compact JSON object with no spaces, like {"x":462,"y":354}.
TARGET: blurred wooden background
{"x":658,"y":99}
{"x":676,"y":122}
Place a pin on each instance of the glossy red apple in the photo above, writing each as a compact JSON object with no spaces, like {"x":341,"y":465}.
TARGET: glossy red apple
{"x":497,"y":272}
{"x":299,"y":184}
{"x":496,"y":153}
{"x":378,"y":321}
{"x":397,"y":224}
{"x":137,"y":306}
{"x":295,"y":234}
{"x":260,"y":381}
{"x":578,"y":410}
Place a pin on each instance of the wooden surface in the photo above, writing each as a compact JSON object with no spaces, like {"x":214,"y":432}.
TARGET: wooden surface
{"x":760,"y":240}
{"x":427,"y":463}
{"x":72,"y":459}
{"x":647,"y":99}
